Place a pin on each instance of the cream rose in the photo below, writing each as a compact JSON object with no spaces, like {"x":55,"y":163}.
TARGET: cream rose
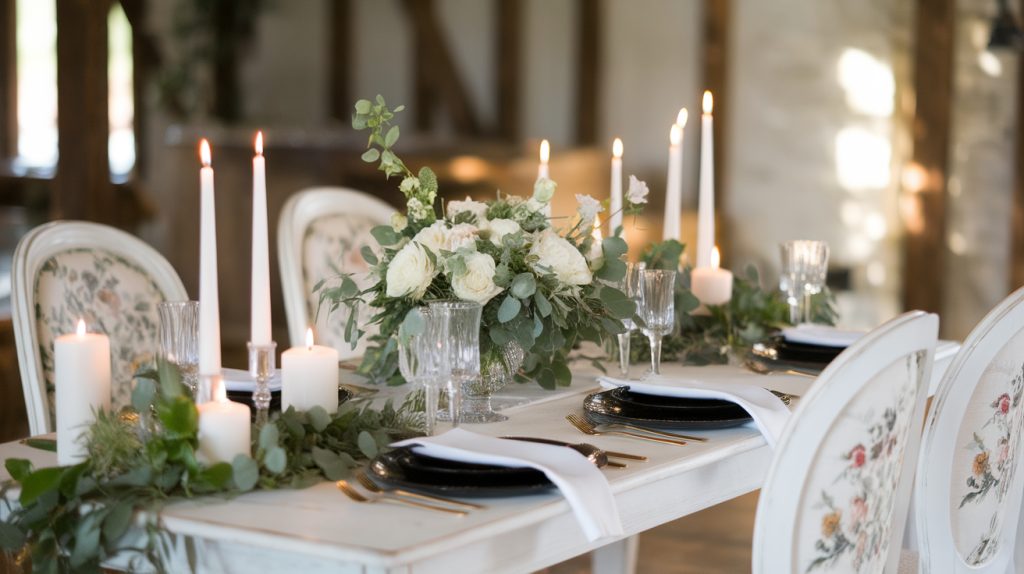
{"x":475,"y":207}
{"x":477,"y":283}
{"x":410,"y":272}
{"x":434,"y":238}
{"x":502,"y":227}
{"x":560,"y":256}
{"x":461,"y":235}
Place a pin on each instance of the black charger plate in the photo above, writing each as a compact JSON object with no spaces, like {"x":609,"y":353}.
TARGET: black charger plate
{"x":622,"y":406}
{"x":245,"y":397}
{"x":404,"y":468}
{"x":803,"y":352}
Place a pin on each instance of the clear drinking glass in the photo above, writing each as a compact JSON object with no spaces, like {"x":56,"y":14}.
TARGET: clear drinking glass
{"x":657,"y":309}
{"x":804,"y":268}
{"x":419,"y":361}
{"x":458,"y":344}
{"x":630,"y":285}
{"x":179,"y":338}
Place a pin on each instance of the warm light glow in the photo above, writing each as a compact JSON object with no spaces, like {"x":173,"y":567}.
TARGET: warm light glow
{"x":990,"y":64}
{"x":617,"y":148}
{"x":545,"y":151}
{"x":259,"y":143}
{"x":716,"y":257}
{"x":81,"y":327}
{"x":914,"y":177}
{"x":708,"y":104}
{"x":204,"y":152}
{"x":862,"y":159}
{"x":468,"y":169}
{"x":596,"y":234}
{"x":868,"y":82}
{"x":675,"y":135}
{"x":912,"y":212}
{"x":682,"y":117}
{"x":309,"y":338}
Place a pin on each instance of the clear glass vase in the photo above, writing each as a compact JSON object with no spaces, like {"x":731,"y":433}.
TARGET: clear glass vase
{"x":498,"y":366}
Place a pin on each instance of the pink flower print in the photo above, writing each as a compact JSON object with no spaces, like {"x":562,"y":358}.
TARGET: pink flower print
{"x":858,"y":456}
{"x":858,"y":511}
{"x":110,"y":298}
{"x":1003,"y":404}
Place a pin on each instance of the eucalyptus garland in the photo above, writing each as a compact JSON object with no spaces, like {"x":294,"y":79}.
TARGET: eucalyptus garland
{"x":72,"y":518}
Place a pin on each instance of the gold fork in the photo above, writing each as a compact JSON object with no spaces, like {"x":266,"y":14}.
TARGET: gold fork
{"x":586,"y":428}
{"x":596,"y":424}
{"x":375,"y":488}
{"x":354,"y":495}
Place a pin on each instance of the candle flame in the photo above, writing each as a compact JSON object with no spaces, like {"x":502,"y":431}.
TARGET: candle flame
{"x":675,"y":135}
{"x":309,"y":338}
{"x":545,"y":151}
{"x":204,"y":152}
{"x":682,"y":117}
{"x":708,"y":102}
{"x":81,"y":327}
{"x":259,"y":143}
{"x":617,"y":148}
{"x":596,"y":234}
{"x":716,"y":258}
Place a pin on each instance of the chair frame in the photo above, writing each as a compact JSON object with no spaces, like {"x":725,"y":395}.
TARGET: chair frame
{"x":301,"y":209}
{"x":786,"y":481}
{"x":34,"y":249}
{"x":938,"y":553}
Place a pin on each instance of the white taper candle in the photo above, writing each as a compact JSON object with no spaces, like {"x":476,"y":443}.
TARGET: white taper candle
{"x":260,"y":305}
{"x":706,"y":205}
{"x":616,"y":204}
{"x":209,"y":303}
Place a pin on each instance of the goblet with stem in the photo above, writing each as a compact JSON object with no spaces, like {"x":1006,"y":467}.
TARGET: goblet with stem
{"x":630,"y":285}
{"x":657,"y":309}
{"x":419,"y":361}
{"x":458,"y":345}
{"x":179,"y":339}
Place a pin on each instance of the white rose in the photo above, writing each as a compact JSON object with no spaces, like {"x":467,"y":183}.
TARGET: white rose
{"x":434,"y":238}
{"x":410,"y":272}
{"x":588,"y":208}
{"x":462,"y":235}
{"x":637,"y":192}
{"x":502,"y":227}
{"x":477,"y":283}
{"x":560,"y":256}
{"x":533,"y":206}
{"x":475,"y":207}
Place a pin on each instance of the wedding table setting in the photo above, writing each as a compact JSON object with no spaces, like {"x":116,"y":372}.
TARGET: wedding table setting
{"x":488,"y":417}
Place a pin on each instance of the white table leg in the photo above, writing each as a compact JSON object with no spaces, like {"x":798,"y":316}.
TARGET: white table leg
{"x":616,"y":558}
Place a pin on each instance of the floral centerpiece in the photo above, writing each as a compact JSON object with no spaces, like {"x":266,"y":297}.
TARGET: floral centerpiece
{"x":542,"y":289}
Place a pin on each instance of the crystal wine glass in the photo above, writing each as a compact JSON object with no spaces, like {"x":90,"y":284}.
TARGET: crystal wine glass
{"x":458,"y":345}
{"x":805,"y":266}
{"x":179,"y":339}
{"x":419,"y":361}
{"x":630,"y":285}
{"x":657,"y":309}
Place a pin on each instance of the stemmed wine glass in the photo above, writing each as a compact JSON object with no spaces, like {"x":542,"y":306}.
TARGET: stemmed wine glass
{"x":657,"y":309}
{"x":630,"y":285}
{"x":458,"y":344}
{"x":419,"y":360}
{"x":804,"y":268}
{"x":179,"y":338}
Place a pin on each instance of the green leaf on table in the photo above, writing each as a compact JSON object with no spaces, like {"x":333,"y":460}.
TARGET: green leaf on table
{"x":47,"y":444}
{"x":215,"y":477}
{"x":143,"y":394}
{"x":276,"y":459}
{"x":117,"y":521}
{"x":367,"y":444}
{"x":509,"y":309}
{"x":392,"y":137}
{"x":269,"y":436}
{"x":333,"y":466}
{"x":524,"y":285}
{"x":39,"y":482}
{"x":318,"y":418}
{"x":18,"y":468}
{"x":11,"y":538}
{"x":385,"y":235}
{"x":542,"y":304}
{"x":368,"y":255}
{"x":245,"y":472}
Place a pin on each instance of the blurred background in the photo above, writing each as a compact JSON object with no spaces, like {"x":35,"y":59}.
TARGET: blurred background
{"x":887,"y":128}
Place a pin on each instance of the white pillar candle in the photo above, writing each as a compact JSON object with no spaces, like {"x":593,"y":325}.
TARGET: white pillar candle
{"x":309,"y":377}
{"x":711,"y":285}
{"x":260,"y":305}
{"x":706,"y":205}
{"x":674,"y":188}
{"x":224,"y":431}
{"x":209,"y":304}
{"x":543,"y":172}
{"x":81,"y":364}
{"x":616,"y":205}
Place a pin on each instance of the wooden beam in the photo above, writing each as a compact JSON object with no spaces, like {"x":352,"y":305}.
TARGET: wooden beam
{"x":587,"y":79}
{"x":341,"y":59}
{"x":82,"y":188}
{"x":145,"y":59}
{"x":1017,"y":248}
{"x":509,"y":47}
{"x":8,"y":80}
{"x":716,"y":63}
{"x":924,"y":250}
{"x":442,"y":69}
{"x":227,"y":97}
{"x":425,"y":93}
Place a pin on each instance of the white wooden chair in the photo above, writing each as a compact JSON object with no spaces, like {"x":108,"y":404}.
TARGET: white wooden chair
{"x":67,"y":270}
{"x":969,"y":484}
{"x":320,"y":234}
{"x":836,"y":495}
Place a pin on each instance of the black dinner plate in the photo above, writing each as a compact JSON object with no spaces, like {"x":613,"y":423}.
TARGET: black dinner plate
{"x":620,"y":405}
{"x":406,"y":469}
{"x":245,"y":397}
{"x":804,"y":352}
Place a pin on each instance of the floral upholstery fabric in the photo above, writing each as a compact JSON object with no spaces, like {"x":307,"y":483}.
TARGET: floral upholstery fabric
{"x":846,"y":517}
{"x":331,"y":246}
{"x":988,"y":445}
{"x":115,"y":296}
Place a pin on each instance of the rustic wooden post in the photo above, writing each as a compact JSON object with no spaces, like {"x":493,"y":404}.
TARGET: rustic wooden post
{"x":715,"y":56}
{"x":1017,"y":249}
{"x":8,"y":80}
{"x":589,"y":62}
{"x":341,"y":59}
{"x":509,"y":45}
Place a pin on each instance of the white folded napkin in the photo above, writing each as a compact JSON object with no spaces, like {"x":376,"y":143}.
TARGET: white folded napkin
{"x":823,"y":335}
{"x":239,"y":380}
{"x":583,"y":485}
{"x":769,"y":413}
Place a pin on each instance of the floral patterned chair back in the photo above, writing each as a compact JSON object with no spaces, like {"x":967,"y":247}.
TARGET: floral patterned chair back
{"x":839,"y":485}
{"x":320,"y":234}
{"x":67,"y":270}
{"x":969,"y":483}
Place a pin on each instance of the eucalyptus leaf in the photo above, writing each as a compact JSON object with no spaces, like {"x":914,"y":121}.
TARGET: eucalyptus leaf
{"x":245,"y":472}
{"x":371,"y":155}
{"x":11,"y":538}
{"x":18,"y":468}
{"x":542,"y":305}
{"x":563,"y":376}
{"x":392,"y":137}
{"x":333,"y":466}
{"x":367,"y":445}
{"x":368,"y":256}
{"x":363,"y":106}
{"x":385,"y":235}
{"x":269,"y":436}
{"x":509,"y":309}
{"x":87,"y":541}
{"x":117,"y":521}
{"x":143,"y":394}
{"x":688,"y":301}
{"x":39,"y":482}
{"x":275,"y":459}
{"x":524,"y":285}
{"x":318,"y":417}
{"x":547,"y":379}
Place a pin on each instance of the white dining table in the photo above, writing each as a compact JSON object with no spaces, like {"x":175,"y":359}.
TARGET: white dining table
{"x":318,"y":529}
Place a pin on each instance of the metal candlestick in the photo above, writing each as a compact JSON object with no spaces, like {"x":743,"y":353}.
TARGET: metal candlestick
{"x":261,"y":367}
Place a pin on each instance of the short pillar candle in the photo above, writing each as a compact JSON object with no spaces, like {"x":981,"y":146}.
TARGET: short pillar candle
{"x":712,"y":285}
{"x":81,"y":365}
{"x":225,"y":430}
{"x":309,"y":377}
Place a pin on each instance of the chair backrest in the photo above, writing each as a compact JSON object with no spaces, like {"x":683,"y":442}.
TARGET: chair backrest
{"x":837,"y":491}
{"x":67,"y":270}
{"x":320,"y":234}
{"x":969,"y":484}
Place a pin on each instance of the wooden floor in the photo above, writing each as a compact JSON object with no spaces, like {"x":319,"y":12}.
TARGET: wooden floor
{"x":713,"y":541}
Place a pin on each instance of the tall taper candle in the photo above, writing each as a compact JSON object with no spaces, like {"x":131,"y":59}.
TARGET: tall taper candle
{"x":81,"y":376}
{"x":616,"y":205}
{"x":209,"y":304}
{"x":260,"y":305}
{"x":674,"y":187}
{"x":706,"y":205}
{"x":542,"y":170}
